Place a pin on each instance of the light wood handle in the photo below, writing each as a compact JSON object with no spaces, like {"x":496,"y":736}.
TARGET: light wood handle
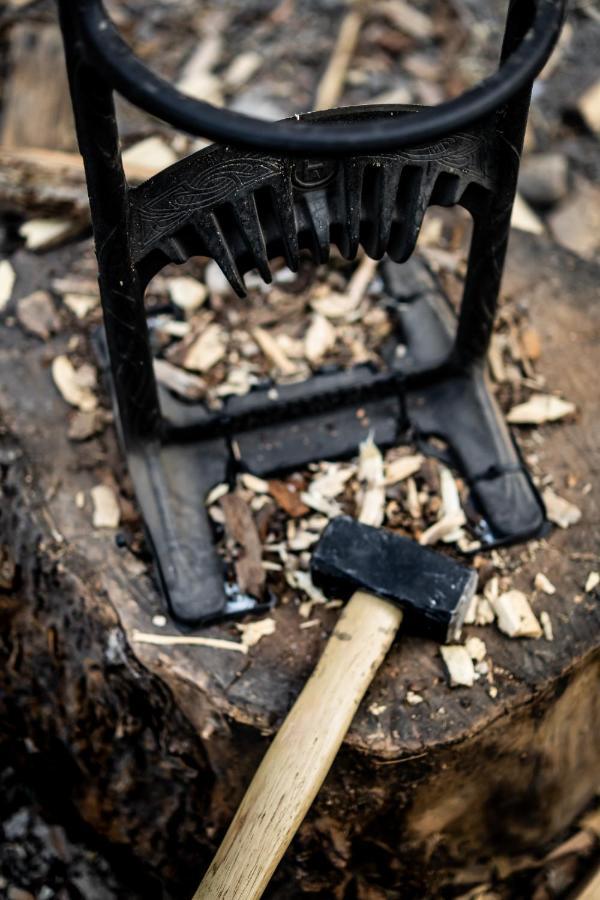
{"x":295,"y":766}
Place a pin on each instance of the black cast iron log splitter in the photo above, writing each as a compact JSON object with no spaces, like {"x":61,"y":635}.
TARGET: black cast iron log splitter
{"x":362,"y":176}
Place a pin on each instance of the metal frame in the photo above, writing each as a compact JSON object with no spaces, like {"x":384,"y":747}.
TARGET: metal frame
{"x":244,"y":208}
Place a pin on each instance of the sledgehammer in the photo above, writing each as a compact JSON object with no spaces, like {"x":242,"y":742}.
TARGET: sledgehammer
{"x":388,"y":578}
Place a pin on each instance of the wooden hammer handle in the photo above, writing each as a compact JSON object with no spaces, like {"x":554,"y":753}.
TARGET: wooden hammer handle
{"x":295,"y":766}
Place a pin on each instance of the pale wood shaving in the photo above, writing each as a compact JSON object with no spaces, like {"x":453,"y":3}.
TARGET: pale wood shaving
{"x":540,"y":408}
{"x":168,"y":640}
{"x":560,"y":511}
{"x":74,"y":384}
{"x":107,"y":513}
{"x":7,"y":282}
{"x":515,"y":616}
{"x":459,"y":665}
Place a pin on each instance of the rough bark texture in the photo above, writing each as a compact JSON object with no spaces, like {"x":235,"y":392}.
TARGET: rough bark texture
{"x":152,"y":747}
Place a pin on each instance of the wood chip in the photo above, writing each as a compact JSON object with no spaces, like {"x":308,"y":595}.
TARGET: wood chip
{"x":43,"y":234}
{"x":524,"y":219}
{"x":107,"y":513}
{"x":187,"y":293}
{"x":576,"y":223}
{"x":300,"y":580}
{"x":402,"y":468}
{"x":319,"y":339}
{"x":443,"y":530}
{"x":332,"y":82}
{"x":332,"y":481}
{"x":560,"y":511}
{"x":413,"y":699}
{"x":459,"y":665}
{"x":592,"y":582}
{"x":207,"y":350}
{"x":588,"y":106}
{"x":241,"y":69}
{"x":153,"y":153}
{"x":476,"y":649}
{"x":451,"y":506}
{"x":287,"y":498}
{"x":184,"y":384}
{"x":241,"y":528}
{"x":216,"y":493}
{"x":406,"y":18}
{"x":540,"y":408}
{"x":531,"y":343}
{"x":74,"y":384}
{"x":169,"y":640}
{"x":334,"y":306}
{"x":81,"y":305}
{"x":546,"y":623}
{"x":273,"y":351}
{"x":371,"y":502}
{"x":515,"y":616}
{"x":37,"y":314}
{"x":252,"y":632}
{"x":7,"y":283}
{"x":320,"y":504}
{"x":84,"y":425}
{"x":542,"y":583}
{"x":254,"y":484}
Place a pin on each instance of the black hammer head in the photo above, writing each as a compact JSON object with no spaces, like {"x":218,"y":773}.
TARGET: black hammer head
{"x":433,"y":590}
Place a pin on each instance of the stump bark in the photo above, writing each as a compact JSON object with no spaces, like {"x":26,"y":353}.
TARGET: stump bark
{"x":152,"y":747}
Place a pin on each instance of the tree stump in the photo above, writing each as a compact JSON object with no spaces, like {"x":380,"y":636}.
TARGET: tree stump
{"x":152,"y":747}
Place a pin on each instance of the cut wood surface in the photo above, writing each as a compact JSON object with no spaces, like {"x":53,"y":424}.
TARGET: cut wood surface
{"x":462,"y":773}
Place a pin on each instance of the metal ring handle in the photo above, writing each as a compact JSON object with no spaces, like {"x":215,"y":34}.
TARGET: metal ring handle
{"x":138,"y":84}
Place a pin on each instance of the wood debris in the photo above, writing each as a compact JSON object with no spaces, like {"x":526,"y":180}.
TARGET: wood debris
{"x":273,"y":351}
{"x":476,"y":649}
{"x":546,"y":623}
{"x":184,"y":384}
{"x":414,"y":699}
{"x":107,"y":512}
{"x":560,"y":511}
{"x":592,"y":582}
{"x":301,"y":580}
{"x":241,"y":529}
{"x":206,"y":350}
{"x":406,"y":18}
{"x":81,"y":305}
{"x":543,"y":583}
{"x":319,"y":339}
{"x":84,"y":425}
{"x":371,"y":476}
{"x":169,"y":640}
{"x":187,"y":293}
{"x":588,"y":107}
{"x":332,"y":82}
{"x":7,"y":283}
{"x":254,"y":484}
{"x":241,"y":69}
{"x":252,"y":632}
{"x":523,"y":217}
{"x":402,"y":467}
{"x":288,"y":498}
{"x":576,"y":222}
{"x":75,"y":385}
{"x":37,"y":314}
{"x":331,"y":481}
{"x":540,"y":408}
{"x":459,"y":665}
{"x":43,"y":234}
{"x":515,"y":616}
{"x":152,"y":153}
